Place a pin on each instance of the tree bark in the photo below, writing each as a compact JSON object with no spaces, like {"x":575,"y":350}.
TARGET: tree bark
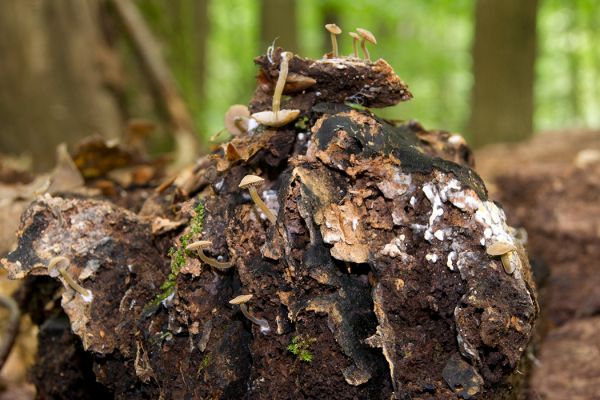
{"x":278,"y":20}
{"x":503,"y":69}
{"x":51,"y":77}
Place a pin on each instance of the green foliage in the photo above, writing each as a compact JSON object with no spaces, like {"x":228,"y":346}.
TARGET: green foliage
{"x":300,"y":347}
{"x":178,"y":256}
{"x":427,"y":42}
{"x":204,"y":363}
{"x":568,"y":64}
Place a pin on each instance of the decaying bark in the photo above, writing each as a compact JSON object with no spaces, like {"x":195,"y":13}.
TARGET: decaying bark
{"x":374,"y":282}
{"x":552,"y":189}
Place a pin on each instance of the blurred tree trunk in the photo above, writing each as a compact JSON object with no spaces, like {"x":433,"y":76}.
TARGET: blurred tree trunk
{"x":503,"y":68}
{"x":278,"y":19}
{"x":202,"y":30}
{"x":51,"y":77}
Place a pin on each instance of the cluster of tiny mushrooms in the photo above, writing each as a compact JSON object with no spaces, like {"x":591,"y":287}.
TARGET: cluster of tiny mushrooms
{"x":238,"y":118}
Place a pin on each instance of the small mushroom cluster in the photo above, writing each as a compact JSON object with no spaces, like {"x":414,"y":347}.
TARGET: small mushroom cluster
{"x":363,"y":35}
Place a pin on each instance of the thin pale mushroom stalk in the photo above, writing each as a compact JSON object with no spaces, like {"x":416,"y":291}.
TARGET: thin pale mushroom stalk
{"x":366,"y":37}
{"x":333,"y":30}
{"x":241,"y":301}
{"x":199,"y":246}
{"x":286,"y":56}
{"x":60,"y":264}
{"x":249,"y":182}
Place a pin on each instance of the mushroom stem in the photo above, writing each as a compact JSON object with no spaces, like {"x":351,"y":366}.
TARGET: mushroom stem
{"x":354,"y":48}
{"x":510,"y":261}
{"x":76,"y":286}
{"x":199,"y":246}
{"x":286,"y":56}
{"x":261,"y":204}
{"x":364,"y":49}
{"x":60,"y":264}
{"x":223,"y":266}
{"x":262,"y":323}
{"x":241,"y":123}
{"x":334,"y":45}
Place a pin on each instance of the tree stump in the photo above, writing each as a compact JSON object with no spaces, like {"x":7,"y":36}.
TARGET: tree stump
{"x":375,"y":281}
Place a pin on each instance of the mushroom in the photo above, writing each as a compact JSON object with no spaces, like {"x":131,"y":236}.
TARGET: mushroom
{"x":236,"y":119}
{"x":250,"y":182}
{"x":298,"y":82}
{"x":508,"y":255}
{"x":200,"y":246}
{"x":333,"y":31}
{"x":241,"y":301}
{"x":58,"y":266}
{"x":277,"y":117}
{"x":366,"y":36}
{"x":355,"y":37}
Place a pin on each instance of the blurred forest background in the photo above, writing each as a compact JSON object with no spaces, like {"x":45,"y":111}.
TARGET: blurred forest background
{"x":494,"y":70}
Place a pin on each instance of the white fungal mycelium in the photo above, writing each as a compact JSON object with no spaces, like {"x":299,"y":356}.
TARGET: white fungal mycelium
{"x":450,"y":260}
{"x":431,"y":257}
{"x":396,"y":248}
{"x":398,"y":185}
{"x":270,"y":199}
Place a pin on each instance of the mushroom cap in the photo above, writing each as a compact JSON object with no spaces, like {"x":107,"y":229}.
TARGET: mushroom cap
{"x":297,"y":83}
{"x":235,"y":112}
{"x":200,"y":244}
{"x":499,"y":248}
{"x":250,"y":180}
{"x":354,"y":35}
{"x":269,"y":118}
{"x":333,"y":28}
{"x":55,"y":264}
{"x":368,"y":36}
{"x":241,"y":299}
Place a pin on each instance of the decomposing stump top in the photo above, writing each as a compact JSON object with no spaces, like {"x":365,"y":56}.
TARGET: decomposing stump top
{"x":374,"y":277}
{"x":338,"y":80}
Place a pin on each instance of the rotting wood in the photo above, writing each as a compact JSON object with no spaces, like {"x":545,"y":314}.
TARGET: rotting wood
{"x":376,"y":260}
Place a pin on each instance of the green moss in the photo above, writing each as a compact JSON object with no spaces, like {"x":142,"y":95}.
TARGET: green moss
{"x":204,"y":363}
{"x":300,"y":347}
{"x":178,"y":256}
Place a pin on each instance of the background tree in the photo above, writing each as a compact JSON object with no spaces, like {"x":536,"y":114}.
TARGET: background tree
{"x":503,"y":70}
{"x":52,"y":74}
{"x":278,"y":19}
